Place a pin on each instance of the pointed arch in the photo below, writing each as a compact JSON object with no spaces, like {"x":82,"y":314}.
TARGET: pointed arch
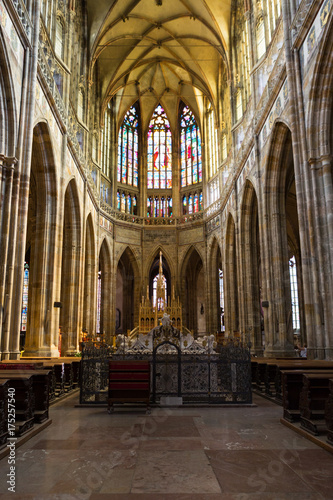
{"x":88,"y":323}
{"x":105,"y":311}
{"x":70,"y":269}
{"x":251,"y":267}
{"x":320,"y":109}
{"x":41,"y":331}
{"x":231,"y":279}
{"x":282,"y":223}
{"x":159,"y":152}
{"x":128,"y":290}
{"x":215,"y":264}
{"x":8,"y":109}
{"x":193,"y":291}
{"x":167,"y":257}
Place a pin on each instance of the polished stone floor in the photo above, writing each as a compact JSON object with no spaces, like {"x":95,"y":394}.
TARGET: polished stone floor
{"x":172,"y":454}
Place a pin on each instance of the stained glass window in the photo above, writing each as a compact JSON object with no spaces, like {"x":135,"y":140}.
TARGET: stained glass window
{"x":99,"y":296}
{"x":118,"y":200}
{"x":127,"y":172}
{"x":24,"y":314}
{"x":149,"y":207}
{"x":200,"y":202}
{"x":169,"y":206}
{"x":190,"y":149}
{"x":221,"y":295}
{"x":212,"y":143}
{"x":123,"y":202}
{"x":106,"y":142}
{"x":159,"y":157}
{"x":184,"y":205}
{"x":195,"y":203}
{"x":294,"y":293}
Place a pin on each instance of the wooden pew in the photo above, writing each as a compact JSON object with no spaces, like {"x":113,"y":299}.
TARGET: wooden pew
{"x":32,"y":365}
{"x":299,"y":365}
{"x":312,"y":402}
{"x":36,"y":404}
{"x":24,"y":399}
{"x":329,"y":413}
{"x":292,"y":384}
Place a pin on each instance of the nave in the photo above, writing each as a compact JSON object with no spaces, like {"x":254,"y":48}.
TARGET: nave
{"x":173,"y":454}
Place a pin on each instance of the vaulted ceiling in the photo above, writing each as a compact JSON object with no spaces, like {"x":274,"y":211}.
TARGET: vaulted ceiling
{"x":158,"y":51}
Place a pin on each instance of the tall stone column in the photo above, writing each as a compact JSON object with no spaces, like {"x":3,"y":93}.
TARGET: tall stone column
{"x":20,"y":196}
{"x":7,"y":173}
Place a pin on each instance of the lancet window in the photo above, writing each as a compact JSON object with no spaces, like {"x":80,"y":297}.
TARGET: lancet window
{"x":24,"y":313}
{"x":221,"y":296}
{"x":212,"y":143}
{"x":190,"y":149}
{"x":126,"y":202}
{"x":159,"y":157}
{"x":192,"y":203}
{"x":128,"y":149}
{"x":99,"y":297}
{"x":294,"y":293}
{"x":106,"y":142}
{"x":159,"y":206}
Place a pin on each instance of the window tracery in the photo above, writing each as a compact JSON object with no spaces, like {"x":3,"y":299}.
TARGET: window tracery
{"x":190,"y":149}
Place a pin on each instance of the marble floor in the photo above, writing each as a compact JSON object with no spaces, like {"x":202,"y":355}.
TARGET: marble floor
{"x":172,"y":454}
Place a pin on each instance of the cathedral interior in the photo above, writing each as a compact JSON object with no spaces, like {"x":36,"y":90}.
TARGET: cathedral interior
{"x":168,"y":157}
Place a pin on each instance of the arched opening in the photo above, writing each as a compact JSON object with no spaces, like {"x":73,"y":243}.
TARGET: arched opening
{"x":153,"y":274}
{"x":127,"y":292}
{"x":231,"y":281}
{"x":104,"y":328}
{"x":251,"y":275}
{"x":88,"y":324}
{"x":70,"y":271}
{"x":193,"y":288}
{"x":216,"y":294}
{"x":284,"y":242}
{"x":40,"y":247}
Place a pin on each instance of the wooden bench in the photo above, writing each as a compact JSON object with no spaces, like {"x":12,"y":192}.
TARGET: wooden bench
{"x":292,"y":384}
{"x":312,"y":402}
{"x":129,"y":382}
{"x":24,"y":399}
{"x":38,"y":408}
{"x":329,"y":413}
{"x":305,"y":365}
{"x":32,"y":365}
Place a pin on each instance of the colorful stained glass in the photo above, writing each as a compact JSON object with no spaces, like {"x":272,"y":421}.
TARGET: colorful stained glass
{"x":190,"y":204}
{"x":184,"y":205}
{"x":190,"y":149}
{"x":159,"y":164}
{"x":123,"y":203}
{"x":200,"y":202}
{"x":149,"y":203}
{"x":99,"y":297}
{"x":24,"y":314}
{"x":196,"y":203}
{"x":118,"y":200}
{"x":169,"y":206}
{"x":128,"y":157}
{"x":129,"y":204}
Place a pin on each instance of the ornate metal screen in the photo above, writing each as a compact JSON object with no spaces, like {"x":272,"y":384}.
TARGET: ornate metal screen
{"x":223,"y":377}
{"x":94,"y":373}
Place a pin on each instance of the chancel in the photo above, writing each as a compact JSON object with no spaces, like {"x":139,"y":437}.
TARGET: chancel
{"x":166,"y":248}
